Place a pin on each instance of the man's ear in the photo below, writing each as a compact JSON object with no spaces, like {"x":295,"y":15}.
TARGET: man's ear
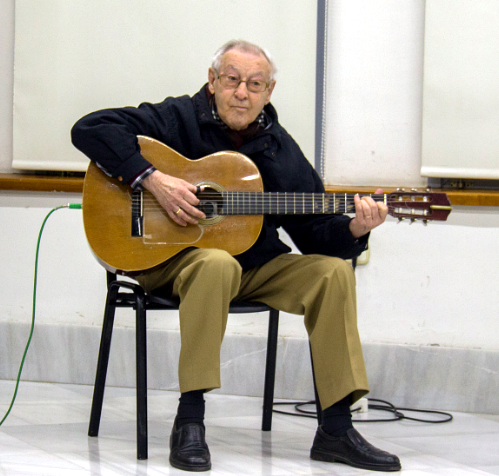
{"x":269,"y":91}
{"x":212,"y":75}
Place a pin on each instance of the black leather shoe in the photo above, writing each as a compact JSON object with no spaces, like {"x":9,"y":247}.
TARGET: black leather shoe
{"x":352,"y":449}
{"x":188,"y":448}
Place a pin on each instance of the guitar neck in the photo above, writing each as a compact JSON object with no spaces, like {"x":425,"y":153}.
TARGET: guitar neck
{"x":270,"y":203}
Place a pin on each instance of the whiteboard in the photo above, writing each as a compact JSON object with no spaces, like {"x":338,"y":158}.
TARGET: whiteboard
{"x":373,"y":93}
{"x":461,"y":89}
{"x":76,"y":56}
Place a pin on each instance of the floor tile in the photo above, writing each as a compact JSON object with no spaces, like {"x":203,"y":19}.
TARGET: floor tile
{"x":46,"y":434}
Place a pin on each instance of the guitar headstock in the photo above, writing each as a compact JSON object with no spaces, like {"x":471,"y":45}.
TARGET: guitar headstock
{"x":416,"y":205}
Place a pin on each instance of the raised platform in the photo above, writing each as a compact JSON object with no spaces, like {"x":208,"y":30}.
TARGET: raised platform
{"x":425,"y":377}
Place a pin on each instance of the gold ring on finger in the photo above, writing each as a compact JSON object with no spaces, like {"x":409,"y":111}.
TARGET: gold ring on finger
{"x":178,"y":211}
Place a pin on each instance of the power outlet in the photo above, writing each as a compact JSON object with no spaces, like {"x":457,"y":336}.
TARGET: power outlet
{"x":364,"y":257}
{"x":360,"y":406}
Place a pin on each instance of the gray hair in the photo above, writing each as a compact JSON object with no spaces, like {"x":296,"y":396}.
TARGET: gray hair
{"x":247,"y":47}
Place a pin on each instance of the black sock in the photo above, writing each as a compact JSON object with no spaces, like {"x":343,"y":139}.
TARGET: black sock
{"x":190,"y":408}
{"x":337,"y":419}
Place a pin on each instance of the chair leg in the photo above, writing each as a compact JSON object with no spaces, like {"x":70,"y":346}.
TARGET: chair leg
{"x":268,"y":394}
{"x":317,"y":401}
{"x":141,"y":375}
{"x":102,"y":362}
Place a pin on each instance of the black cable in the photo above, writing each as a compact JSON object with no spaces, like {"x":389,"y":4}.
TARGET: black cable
{"x":386,"y":406}
{"x":389,"y":407}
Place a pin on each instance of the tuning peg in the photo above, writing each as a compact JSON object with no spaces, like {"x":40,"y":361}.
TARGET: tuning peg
{"x":412,"y":221}
{"x":414,"y":189}
{"x":400,"y":189}
{"x":401,"y":219}
{"x":425,"y":222}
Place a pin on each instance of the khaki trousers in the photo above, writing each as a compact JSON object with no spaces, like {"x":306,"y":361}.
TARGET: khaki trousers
{"x":318,"y":287}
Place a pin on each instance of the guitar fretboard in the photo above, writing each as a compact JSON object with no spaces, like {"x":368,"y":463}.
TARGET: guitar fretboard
{"x":277,"y":203}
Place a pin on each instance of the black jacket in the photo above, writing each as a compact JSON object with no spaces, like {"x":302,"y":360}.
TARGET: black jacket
{"x":186,"y":124}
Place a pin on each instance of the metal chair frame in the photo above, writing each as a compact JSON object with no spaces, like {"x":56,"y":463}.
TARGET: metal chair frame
{"x":142,"y":302}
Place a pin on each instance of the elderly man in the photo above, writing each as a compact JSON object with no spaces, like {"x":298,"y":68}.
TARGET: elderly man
{"x":233,"y":112}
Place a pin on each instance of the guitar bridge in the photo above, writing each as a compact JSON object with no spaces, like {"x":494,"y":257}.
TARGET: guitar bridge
{"x":137,"y":213}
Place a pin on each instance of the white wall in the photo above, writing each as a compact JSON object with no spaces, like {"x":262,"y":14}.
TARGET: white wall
{"x":434,"y":285}
{"x":424,"y":286}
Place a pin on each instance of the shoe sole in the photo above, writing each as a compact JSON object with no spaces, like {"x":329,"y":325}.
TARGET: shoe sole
{"x":318,"y":455}
{"x":192,"y":468}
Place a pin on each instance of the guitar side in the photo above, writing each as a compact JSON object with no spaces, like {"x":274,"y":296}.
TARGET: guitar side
{"x":107,"y":211}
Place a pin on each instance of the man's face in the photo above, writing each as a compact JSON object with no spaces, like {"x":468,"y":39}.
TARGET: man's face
{"x":239,"y":107}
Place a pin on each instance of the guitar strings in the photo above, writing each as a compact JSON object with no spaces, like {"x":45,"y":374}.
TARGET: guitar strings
{"x":305,"y":201}
{"x":278,"y":203}
{"x":157,"y":208}
{"x":243,"y":199}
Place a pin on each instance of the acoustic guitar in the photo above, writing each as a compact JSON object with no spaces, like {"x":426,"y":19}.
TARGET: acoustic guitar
{"x":129,"y":231}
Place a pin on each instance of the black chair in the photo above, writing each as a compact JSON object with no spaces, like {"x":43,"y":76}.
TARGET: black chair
{"x":137,"y":299}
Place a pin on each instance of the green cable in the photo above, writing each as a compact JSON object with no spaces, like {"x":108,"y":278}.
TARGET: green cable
{"x":75,"y":206}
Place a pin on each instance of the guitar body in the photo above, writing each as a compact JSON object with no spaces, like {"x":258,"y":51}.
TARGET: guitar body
{"x":108,"y":215}
{"x":130,"y":232}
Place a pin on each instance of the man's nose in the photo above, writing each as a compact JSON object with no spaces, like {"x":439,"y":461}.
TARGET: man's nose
{"x":241,"y":90}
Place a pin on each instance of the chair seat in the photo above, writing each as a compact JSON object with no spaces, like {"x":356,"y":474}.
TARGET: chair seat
{"x":236,"y":307}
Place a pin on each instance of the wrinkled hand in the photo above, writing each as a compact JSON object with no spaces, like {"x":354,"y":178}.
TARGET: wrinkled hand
{"x":368,"y":215}
{"x":176,"y":196}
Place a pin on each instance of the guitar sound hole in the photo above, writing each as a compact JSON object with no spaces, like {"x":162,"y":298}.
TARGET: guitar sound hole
{"x":209,"y":209}
{"x":210,"y":202}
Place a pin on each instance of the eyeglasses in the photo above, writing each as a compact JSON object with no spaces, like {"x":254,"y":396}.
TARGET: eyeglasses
{"x":229,"y":81}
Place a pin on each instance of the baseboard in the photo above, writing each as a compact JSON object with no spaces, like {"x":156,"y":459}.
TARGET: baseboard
{"x":425,"y":377}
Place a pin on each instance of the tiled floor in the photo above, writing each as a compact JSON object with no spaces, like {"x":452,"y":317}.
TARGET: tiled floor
{"x":46,"y":434}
